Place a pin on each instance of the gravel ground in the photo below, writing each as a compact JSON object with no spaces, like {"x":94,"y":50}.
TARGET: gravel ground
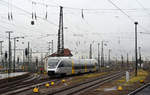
{"x":58,"y":84}
{"x":110,"y":88}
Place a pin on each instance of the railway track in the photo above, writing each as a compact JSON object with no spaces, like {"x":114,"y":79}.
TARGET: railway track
{"x":64,"y":91}
{"x":21,"y":82}
{"x":26,"y":87}
{"x":12,"y":79}
{"x":85,"y":86}
{"x":138,"y":91}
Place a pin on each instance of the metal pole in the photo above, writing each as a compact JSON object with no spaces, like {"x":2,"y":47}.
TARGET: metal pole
{"x":90,"y":54}
{"x":52,"y":46}
{"x":136,"y":61}
{"x":127,"y":61}
{"x":60,"y":46}
{"x":14,"y":54}
{"x":9,"y":54}
{"x":102,"y":54}
{"x":109,"y":56}
{"x":98,"y":56}
{"x":23,"y":60}
{"x":140,"y":56}
{"x":49,"y":47}
{"x":1,"y":50}
{"x":122,"y":61}
{"x":9,"y":50}
{"x":28,"y":56}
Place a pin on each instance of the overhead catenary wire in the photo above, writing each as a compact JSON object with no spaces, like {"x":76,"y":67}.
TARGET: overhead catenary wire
{"x":142,"y":6}
{"x":91,"y":9}
{"x":130,"y":18}
{"x":85,"y":9}
{"x":117,"y":8}
{"x":29,"y":13}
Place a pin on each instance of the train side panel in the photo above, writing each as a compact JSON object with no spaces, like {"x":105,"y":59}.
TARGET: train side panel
{"x":67,"y":66}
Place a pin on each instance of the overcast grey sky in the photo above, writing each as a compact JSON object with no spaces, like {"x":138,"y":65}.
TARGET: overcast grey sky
{"x":101,"y":22}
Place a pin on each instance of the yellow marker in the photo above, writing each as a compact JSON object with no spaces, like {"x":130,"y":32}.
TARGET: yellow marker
{"x":47,"y":84}
{"x":35,"y":90}
{"x":141,"y":81}
{"x":72,"y":67}
{"x":63,"y":81}
{"x":120,"y":88}
{"x":52,"y":83}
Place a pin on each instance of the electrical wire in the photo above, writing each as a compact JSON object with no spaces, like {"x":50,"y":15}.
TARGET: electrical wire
{"x":142,"y":6}
{"x":126,"y":14}
{"x":85,"y":9}
{"x":26,"y":13}
{"x":50,"y":22}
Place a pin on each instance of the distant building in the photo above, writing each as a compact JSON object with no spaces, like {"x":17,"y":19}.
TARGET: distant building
{"x":67,"y":52}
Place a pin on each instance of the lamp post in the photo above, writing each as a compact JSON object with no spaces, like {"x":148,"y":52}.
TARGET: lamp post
{"x":136,"y":62}
{"x":140,"y":56}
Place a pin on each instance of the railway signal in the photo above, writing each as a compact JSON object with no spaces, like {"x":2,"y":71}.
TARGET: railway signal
{"x":5,"y":54}
{"x":26,"y":52}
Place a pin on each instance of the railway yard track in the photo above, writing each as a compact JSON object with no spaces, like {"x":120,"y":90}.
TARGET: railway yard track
{"x":31,"y":81}
{"x":84,"y":86}
{"x":25,"y":81}
{"x":144,"y":90}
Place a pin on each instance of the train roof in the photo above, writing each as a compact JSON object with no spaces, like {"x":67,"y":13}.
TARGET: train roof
{"x":73,"y":58}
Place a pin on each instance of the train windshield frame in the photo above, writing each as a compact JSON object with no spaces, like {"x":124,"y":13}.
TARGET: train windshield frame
{"x":52,"y":63}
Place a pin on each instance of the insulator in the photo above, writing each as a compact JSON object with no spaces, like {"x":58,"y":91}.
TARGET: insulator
{"x":32,"y":15}
{"x":35,"y":16}
{"x":8,"y":16}
{"x":46,"y":15}
{"x":11,"y":16}
{"x":82,"y":14}
{"x":32,"y":22}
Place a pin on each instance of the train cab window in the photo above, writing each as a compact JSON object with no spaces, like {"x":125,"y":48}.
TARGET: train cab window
{"x":61,"y":64}
{"x":52,"y":63}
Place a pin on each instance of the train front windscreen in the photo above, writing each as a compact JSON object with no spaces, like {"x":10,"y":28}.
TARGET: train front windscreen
{"x":52,"y":63}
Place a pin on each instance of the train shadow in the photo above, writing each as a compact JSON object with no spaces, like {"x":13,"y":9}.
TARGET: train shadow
{"x":67,"y":76}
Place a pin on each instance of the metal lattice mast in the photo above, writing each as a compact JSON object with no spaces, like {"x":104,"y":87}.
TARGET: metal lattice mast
{"x":60,"y":47}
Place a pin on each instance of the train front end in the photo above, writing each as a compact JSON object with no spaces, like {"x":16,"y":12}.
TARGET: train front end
{"x":52,"y":65}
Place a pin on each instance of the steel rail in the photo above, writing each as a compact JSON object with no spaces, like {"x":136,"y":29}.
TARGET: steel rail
{"x":78,"y":88}
{"x":139,"y":89}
